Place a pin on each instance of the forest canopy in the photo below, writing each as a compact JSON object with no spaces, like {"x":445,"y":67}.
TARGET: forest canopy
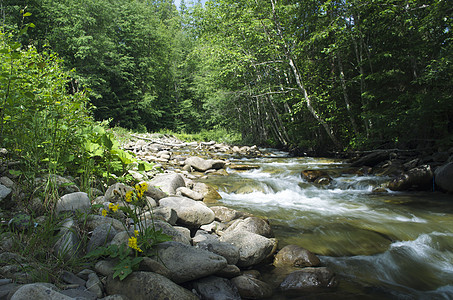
{"x":306,"y":75}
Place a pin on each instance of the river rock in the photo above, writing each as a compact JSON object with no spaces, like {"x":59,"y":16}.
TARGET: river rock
{"x":94,"y":285}
{"x":294,"y":255}
{"x":309,"y":279}
{"x":216,"y":288}
{"x":444,"y":177}
{"x":39,"y":291}
{"x":95,"y":221}
{"x":253,"y":248}
{"x":227,"y":250}
{"x":230,"y":271}
{"x":252,"y":288}
{"x":78,"y":201}
{"x":239,"y":167}
{"x":166,"y":214}
{"x":190,"y":212}
{"x":68,"y":243}
{"x":151,"y":265}
{"x":176,"y":235}
{"x":5,"y":196}
{"x":147,"y":285}
{"x":226,"y":214}
{"x":117,"y":192}
{"x":419,"y":178}
{"x":186,"y":192}
{"x":155,"y":193}
{"x":202,"y":165}
{"x":101,"y":235}
{"x":316,"y":176}
{"x":210,"y":195}
{"x":188,"y":263}
{"x":168,"y":183}
{"x":254,"y":225}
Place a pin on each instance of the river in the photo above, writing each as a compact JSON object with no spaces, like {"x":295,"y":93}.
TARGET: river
{"x":388,"y":245}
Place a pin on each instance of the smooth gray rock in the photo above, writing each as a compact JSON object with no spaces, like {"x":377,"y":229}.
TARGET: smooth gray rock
{"x":5,"y":196}
{"x":293,"y":255}
{"x":95,"y":221}
{"x":168,"y":183}
{"x":444,"y":177}
{"x":101,"y":236}
{"x":253,"y":248}
{"x":68,"y":244}
{"x":78,"y":201}
{"x":117,"y":192}
{"x":230,"y":271}
{"x":308,"y":279}
{"x":202,"y":235}
{"x":216,"y":288}
{"x":227,"y":250}
{"x":105,"y":267}
{"x":39,"y":291}
{"x":79,"y":293}
{"x":254,"y":225}
{"x":188,"y":263}
{"x":147,"y":285}
{"x":202,"y":165}
{"x":166,"y":214}
{"x":186,"y":192}
{"x":71,"y":278}
{"x":155,"y":193}
{"x":190,"y":212}
{"x":94,"y":285}
{"x":177,"y":236}
{"x":252,"y":288}
{"x":226,"y":214}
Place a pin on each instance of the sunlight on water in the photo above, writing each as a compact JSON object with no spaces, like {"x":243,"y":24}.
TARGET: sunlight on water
{"x":399,"y":242}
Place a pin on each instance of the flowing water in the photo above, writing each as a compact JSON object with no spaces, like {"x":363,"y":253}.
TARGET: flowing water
{"x":390,"y":245}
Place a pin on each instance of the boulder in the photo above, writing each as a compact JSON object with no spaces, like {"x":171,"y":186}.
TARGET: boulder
{"x":94,"y":221}
{"x":252,"y":288}
{"x":227,"y":250}
{"x":168,"y":183}
{"x":78,"y":201}
{"x":419,"y":178}
{"x":177,"y":236}
{"x":68,"y":243}
{"x":202,"y":165}
{"x":309,"y":279}
{"x":101,"y":235}
{"x":444,"y":177}
{"x":316,"y":176}
{"x":155,"y":193}
{"x":187,"y":263}
{"x":147,"y":285}
{"x":5,"y":196}
{"x":209,"y":193}
{"x":190,"y":212}
{"x":166,"y":214}
{"x":296,"y":256}
{"x":94,"y":285}
{"x":225,"y":214}
{"x":186,"y":192}
{"x":254,"y":225}
{"x":230,"y":271}
{"x":216,"y":288}
{"x":39,"y":291}
{"x":253,"y":248}
{"x":117,"y":191}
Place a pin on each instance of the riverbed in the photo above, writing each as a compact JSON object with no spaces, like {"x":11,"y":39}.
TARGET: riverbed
{"x":381,"y":245}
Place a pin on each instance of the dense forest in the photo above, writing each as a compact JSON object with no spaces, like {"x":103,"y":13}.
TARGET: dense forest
{"x":308,"y":75}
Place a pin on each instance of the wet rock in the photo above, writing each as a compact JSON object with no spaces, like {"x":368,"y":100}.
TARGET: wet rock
{"x":444,"y":177}
{"x":168,"y":183}
{"x":188,"y":263}
{"x":190,"y":212}
{"x":227,"y":250}
{"x":419,"y":178}
{"x":39,"y":291}
{"x":203,"y":165}
{"x":316,"y":176}
{"x":147,"y":285}
{"x":253,"y":248}
{"x":216,"y":288}
{"x":243,"y":167}
{"x":294,"y":255}
{"x":210,"y":195}
{"x":254,"y":225}
{"x":252,"y":288}
{"x":309,"y":279}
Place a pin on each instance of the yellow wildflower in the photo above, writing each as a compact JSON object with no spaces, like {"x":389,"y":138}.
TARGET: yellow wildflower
{"x":114,"y":207}
{"x":136,"y":232}
{"x":132,"y":243}
{"x":104,"y":212}
{"x":141,"y":189}
{"x":129,"y":196}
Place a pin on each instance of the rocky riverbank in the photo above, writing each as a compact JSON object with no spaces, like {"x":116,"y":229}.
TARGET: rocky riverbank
{"x":215,"y":252}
